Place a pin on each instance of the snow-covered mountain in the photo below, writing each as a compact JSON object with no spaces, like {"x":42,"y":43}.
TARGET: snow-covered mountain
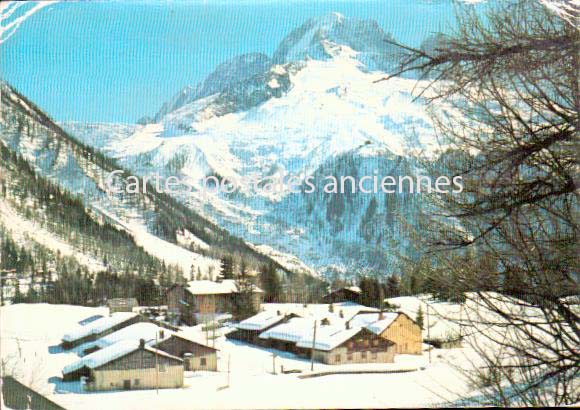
{"x":313,"y":110}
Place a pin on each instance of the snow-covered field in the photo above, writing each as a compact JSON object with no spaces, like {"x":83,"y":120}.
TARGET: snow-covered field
{"x":30,"y":335}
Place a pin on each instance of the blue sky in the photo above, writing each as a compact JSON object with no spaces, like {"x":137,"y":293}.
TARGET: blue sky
{"x":118,"y":61}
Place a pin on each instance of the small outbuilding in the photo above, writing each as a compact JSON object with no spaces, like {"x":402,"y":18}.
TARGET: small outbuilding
{"x":122,"y":304}
{"x":346,"y":294}
{"x":196,"y":356}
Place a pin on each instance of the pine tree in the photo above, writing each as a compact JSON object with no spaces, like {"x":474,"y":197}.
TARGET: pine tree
{"x":243,"y":306}
{"x":419,"y":319}
{"x":270,"y":283}
{"x":227,"y":268}
{"x":393,"y":286}
{"x":18,"y":297}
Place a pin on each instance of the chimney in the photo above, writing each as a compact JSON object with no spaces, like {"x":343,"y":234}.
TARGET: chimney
{"x":341,"y":314}
{"x":381,"y":315}
{"x":161,"y":334}
{"x":279,"y":313}
{"x":347,"y":325}
{"x":141,"y":343}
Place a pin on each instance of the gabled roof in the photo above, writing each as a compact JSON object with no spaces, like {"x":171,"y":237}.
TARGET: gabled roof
{"x":183,"y":337}
{"x":261,"y":321}
{"x":301,"y":332}
{"x":328,"y":337}
{"x":149,"y":332}
{"x":291,"y":331}
{"x":208,"y":287}
{"x":111,"y":353}
{"x":98,"y":326}
{"x":143,"y":330}
{"x":372,"y":321}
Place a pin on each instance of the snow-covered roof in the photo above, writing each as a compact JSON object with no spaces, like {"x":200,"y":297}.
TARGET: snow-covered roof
{"x":110,"y":353}
{"x":372,"y":321}
{"x":301,"y":331}
{"x":98,"y":326}
{"x":261,"y":321}
{"x":320,"y":310}
{"x":379,"y":326}
{"x":355,"y":289}
{"x":328,"y":337}
{"x":291,"y":331}
{"x":208,"y":287}
{"x":146,"y":331}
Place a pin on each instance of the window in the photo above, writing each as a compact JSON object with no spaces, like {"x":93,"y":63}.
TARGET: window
{"x":337,"y":358}
{"x":203,"y":361}
{"x":162,"y":367}
{"x":350,"y":345}
{"x":375,"y":342}
{"x":136,"y":382}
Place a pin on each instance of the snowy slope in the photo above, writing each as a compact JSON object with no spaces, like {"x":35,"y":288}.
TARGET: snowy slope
{"x":153,"y":221}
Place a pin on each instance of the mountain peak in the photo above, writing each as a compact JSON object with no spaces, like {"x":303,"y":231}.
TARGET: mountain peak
{"x":364,"y":36}
{"x":226,"y":74}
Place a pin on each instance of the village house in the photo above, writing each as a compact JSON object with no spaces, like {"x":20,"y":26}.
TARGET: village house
{"x":122,"y":304}
{"x":200,"y":300}
{"x":346,"y":294}
{"x":126,"y":365}
{"x":98,"y":328}
{"x":396,"y":327}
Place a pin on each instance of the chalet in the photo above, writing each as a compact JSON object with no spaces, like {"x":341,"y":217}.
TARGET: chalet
{"x":129,"y":364}
{"x":98,"y":328}
{"x":196,"y":356}
{"x":122,"y":304}
{"x":249,"y":330}
{"x":336,"y":343}
{"x":201,"y":300}
{"x":348,"y":345}
{"x":346,"y":294}
{"x":396,"y":327}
